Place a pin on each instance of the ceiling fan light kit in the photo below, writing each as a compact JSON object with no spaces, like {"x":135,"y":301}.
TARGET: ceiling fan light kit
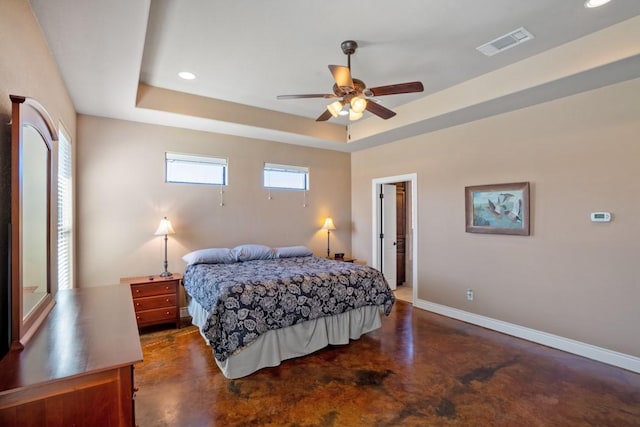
{"x":353,"y":93}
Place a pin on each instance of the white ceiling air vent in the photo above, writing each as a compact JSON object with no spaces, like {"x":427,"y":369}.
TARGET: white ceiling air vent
{"x":505,"y":42}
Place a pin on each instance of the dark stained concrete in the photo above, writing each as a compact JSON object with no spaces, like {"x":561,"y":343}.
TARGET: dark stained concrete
{"x":419,"y":369}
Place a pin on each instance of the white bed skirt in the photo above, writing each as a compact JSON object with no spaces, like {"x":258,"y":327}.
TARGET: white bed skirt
{"x":298,"y":340}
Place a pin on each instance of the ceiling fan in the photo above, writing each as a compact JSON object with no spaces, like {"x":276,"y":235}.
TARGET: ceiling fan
{"x":353,"y":93}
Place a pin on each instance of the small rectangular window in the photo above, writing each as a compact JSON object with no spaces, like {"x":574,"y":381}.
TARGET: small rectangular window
{"x":193,"y":169}
{"x":285,"y":176}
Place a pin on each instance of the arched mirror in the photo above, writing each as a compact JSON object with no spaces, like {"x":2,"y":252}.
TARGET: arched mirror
{"x":32,"y":136}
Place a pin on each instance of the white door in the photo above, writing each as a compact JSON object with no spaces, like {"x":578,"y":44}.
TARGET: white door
{"x":388,"y":234}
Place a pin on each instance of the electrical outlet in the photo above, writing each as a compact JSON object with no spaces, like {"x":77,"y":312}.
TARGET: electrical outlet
{"x":469,"y":295}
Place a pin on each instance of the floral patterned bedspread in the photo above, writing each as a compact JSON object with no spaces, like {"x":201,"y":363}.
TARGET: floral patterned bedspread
{"x":247,"y":299}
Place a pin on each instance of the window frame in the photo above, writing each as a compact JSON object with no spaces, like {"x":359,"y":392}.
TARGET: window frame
{"x":292,"y":169}
{"x":200,"y":159}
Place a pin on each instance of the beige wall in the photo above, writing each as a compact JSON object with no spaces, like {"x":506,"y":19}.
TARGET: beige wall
{"x":27,"y":68}
{"x":122,"y":196}
{"x":571,"y":277}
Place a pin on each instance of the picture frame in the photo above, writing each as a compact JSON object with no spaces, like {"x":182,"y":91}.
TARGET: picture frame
{"x":498,"y":208}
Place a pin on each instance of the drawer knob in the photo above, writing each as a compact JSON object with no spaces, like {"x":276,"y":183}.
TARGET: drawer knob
{"x":168,"y":313}
{"x":167,"y":300}
{"x":138,"y":317}
{"x":137,"y":291}
{"x":166,"y":287}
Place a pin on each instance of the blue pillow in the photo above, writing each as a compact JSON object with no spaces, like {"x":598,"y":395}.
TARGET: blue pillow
{"x":253,"y":252}
{"x":292,"y":251}
{"x":210,"y":256}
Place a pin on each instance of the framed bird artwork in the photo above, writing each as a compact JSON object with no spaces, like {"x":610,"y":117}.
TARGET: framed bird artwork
{"x":498,"y":208}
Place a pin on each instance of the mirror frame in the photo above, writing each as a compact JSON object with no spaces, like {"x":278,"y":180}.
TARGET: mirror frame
{"x":27,"y":111}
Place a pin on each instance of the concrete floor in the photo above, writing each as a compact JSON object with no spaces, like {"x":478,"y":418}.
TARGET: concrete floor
{"x":404,"y":293}
{"x":419,"y":369}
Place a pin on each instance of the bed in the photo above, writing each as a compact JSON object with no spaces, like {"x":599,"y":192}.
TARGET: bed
{"x":257,"y":306}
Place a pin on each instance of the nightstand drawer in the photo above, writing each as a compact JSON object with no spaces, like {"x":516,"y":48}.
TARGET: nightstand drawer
{"x":156,"y":299}
{"x":158,"y":315}
{"x":159,"y":301}
{"x":150,"y":289}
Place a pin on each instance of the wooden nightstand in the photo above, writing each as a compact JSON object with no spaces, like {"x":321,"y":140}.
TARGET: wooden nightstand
{"x":345,"y":259}
{"x":155,"y":299}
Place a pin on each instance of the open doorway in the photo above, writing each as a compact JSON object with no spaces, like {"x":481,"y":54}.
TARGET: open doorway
{"x":394,"y":243}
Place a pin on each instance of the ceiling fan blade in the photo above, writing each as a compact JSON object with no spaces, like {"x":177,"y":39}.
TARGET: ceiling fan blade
{"x":309,"y":95}
{"x":379,"y":110}
{"x":342,"y":76}
{"x":397,"y":89}
{"x":324,"y":116}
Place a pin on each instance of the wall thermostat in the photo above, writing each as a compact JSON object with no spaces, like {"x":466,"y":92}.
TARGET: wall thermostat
{"x":601,"y":216}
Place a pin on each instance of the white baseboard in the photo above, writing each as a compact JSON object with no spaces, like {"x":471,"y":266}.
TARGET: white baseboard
{"x":600,"y":354}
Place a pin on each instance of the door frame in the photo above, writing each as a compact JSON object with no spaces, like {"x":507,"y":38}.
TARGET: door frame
{"x":388,"y":226}
{"x":375,"y":216}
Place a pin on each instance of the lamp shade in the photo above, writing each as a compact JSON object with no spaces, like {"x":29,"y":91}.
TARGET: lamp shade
{"x":358,"y":104}
{"x":164,"y":228}
{"x":328,"y":224}
{"x":335,"y":108}
{"x":354,"y":115}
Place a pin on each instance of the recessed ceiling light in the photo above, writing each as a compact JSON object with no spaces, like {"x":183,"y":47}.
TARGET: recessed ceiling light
{"x":186,"y":75}
{"x":595,"y":3}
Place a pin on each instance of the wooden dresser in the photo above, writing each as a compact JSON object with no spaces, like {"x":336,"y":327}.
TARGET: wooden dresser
{"x":155,"y":299}
{"x":77,"y":369}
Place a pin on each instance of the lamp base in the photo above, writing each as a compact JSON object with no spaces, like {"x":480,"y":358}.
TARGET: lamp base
{"x":166,"y":274}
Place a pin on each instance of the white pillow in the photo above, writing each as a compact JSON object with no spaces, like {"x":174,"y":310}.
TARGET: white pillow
{"x":252,"y":252}
{"x":210,"y":256}
{"x":292,"y":251}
